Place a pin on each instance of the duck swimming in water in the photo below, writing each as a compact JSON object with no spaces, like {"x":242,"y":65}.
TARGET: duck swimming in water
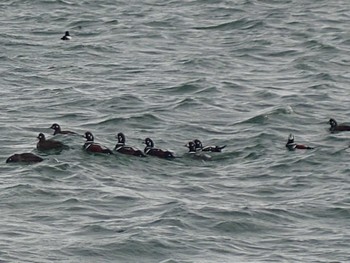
{"x":122,"y":148}
{"x":292,"y":146}
{"x":92,"y":147}
{"x":66,"y":36}
{"x":199,"y":147}
{"x":47,"y":145}
{"x":335,"y":127}
{"x":24,"y":158}
{"x":57,"y":130}
{"x":150,"y":150}
{"x":196,"y":154}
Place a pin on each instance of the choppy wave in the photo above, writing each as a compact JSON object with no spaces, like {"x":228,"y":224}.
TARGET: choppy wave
{"x":245,"y":76}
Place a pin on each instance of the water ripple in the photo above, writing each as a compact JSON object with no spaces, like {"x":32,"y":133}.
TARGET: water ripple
{"x":245,"y":76}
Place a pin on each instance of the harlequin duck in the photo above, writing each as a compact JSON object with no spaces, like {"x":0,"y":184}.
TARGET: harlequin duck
{"x":24,"y":158}
{"x":121,"y":148}
{"x":47,"y":145}
{"x":91,"y":146}
{"x":196,"y":154}
{"x":337,"y":128}
{"x":199,"y":147}
{"x":191,"y":147}
{"x":66,"y":36}
{"x":292,"y":146}
{"x":57,"y":130}
{"x":150,"y":150}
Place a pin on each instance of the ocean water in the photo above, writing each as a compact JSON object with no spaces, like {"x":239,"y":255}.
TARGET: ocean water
{"x":243,"y":73}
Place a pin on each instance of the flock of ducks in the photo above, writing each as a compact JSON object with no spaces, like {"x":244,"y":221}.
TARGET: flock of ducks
{"x":195,"y":147}
{"x":335,"y":127}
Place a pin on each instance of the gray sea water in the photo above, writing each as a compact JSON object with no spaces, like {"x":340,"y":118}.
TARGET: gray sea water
{"x":244,"y":73}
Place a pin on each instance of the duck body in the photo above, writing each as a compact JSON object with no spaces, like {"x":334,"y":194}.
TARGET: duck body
{"x":57,"y":130}
{"x":150,"y":150}
{"x":335,"y":127}
{"x":199,"y":147}
{"x":24,"y":158}
{"x":291,"y":145}
{"x":47,"y":145}
{"x":120,"y":147}
{"x":129,"y":151}
{"x":92,"y":147}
